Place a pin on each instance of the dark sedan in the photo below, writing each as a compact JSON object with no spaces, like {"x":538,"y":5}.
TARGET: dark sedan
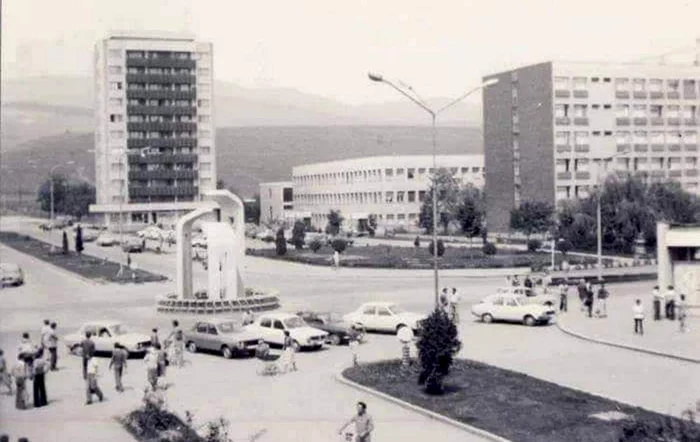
{"x":339,"y":331}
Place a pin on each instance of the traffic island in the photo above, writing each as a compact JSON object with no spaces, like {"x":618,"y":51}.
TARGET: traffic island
{"x":515,"y":406}
{"x":83,"y":265}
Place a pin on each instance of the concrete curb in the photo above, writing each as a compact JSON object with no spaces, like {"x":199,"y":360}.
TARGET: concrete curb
{"x":55,"y":267}
{"x":570,"y":332}
{"x":446,"y":420}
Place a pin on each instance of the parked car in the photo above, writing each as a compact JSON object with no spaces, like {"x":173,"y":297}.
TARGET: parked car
{"x":384,"y":317}
{"x":11,"y":275}
{"x":106,"y":240}
{"x":90,"y":235}
{"x":104,"y":334}
{"x":266,"y":235}
{"x":339,"y":331}
{"x":271,"y":326}
{"x":152,"y":233}
{"x":133,"y":244}
{"x":512,"y":308}
{"x":224,"y":336}
{"x":532,"y":296}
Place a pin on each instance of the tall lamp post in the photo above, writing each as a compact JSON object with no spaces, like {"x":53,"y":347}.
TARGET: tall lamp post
{"x":404,"y":90}
{"x":599,"y":217}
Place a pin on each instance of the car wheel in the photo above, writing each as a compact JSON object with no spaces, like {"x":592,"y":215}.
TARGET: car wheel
{"x":548,"y":303}
{"x":192,"y":347}
{"x":529,"y":321}
{"x":296,"y":347}
{"x":76,"y":350}
{"x":399,"y":327}
{"x":487,"y":318}
{"x":334,"y":339}
{"x":226,"y":352}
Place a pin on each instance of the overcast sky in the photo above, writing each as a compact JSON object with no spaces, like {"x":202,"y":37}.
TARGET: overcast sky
{"x":326,"y":47}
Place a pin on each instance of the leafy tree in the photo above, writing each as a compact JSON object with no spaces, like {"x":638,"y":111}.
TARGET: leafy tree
{"x":70,"y":198}
{"x":532,"y":217}
{"x":448,"y":198}
{"x":533,"y":245}
{"x":79,"y":240}
{"x":666,"y":429}
{"x":298,"y":234}
{"x":65,"y":243}
{"x":471,"y":211}
{"x":339,"y":245}
{"x":335,"y":221}
{"x":280,"y":243}
{"x":440,"y":248}
{"x":437,"y":344}
{"x":315,"y":245}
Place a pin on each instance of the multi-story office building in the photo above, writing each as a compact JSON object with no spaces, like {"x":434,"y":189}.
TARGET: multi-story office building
{"x":154,"y":137}
{"x":553,"y":130}
{"x":392,"y":188}
{"x":277,"y":202}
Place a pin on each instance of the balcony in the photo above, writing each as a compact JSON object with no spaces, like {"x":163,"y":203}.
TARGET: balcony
{"x":690,"y":95}
{"x":580,"y":121}
{"x":161,"y":78}
{"x":161,"y":62}
{"x":137,"y":143}
{"x":640,"y":95}
{"x":160,"y":94}
{"x":583,"y":175}
{"x":580,"y":94}
{"x":690,"y":121}
{"x":655,"y":95}
{"x":658,"y":173}
{"x":563,"y":148}
{"x":674,"y":121}
{"x":691,"y":148}
{"x":675,"y":173}
{"x":674,"y":147}
{"x":622,"y":94}
{"x":164,"y":158}
{"x":176,"y":126}
{"x":161,"y":110}
{"x":564,"y":175}
{"x":622,"y":174}
{"x":692,"y":172}
{"x":623,"y":147}
{"x":560,"y":93}
{"x":657,"y":121}
{"x":137,"y":191}
{"x":673,"y":95}
{"x":166,"y":174}
{"x":562,"y":121}
{"x":582,"y":148}
{"x":622,"y":121}
{"x":658,"y":147}
{"x":641,"y":148}
{"x":640,"y":121}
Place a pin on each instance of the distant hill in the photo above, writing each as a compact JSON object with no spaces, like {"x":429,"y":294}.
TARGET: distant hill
{"x":246,"y":155}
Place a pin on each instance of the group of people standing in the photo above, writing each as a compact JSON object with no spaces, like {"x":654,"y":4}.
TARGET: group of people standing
{"x":593,"y":299}
{"x":449,"y":303}
{"x":673,"y":306}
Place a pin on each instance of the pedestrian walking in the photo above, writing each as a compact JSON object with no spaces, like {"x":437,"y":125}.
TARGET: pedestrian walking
{"x":581,"y":287}
{"x":40,"y":367}
{"x":454,"y":305}
{"x":20,"y":371}
{"x":288,"y":351}
{"x":515,"y":281}
{"x":638,"y":311}
{"x":154,"y":337}
{"x":354,"y":343}
{"x":45,"y":330}
{"x":52,"y":344}
{"x":363,"y":424}
{"x":87,"y":347}
{"x":405,"y":337}
{"x":528,"y":282}
{"x":27,"y":351}
{"x":162,"y":361}
{"x":92,"y":386}
{"x":336,"y":260}
{"x":118,"y":364}
{"x":658,"y":298}
{"x":602,"y":309}
{"x":682,"y":309}
{"x":564,"y":296}
{"x":177,"y":340}
{"x":588,"y":302}
{"x":5,"y":375}
{"x":444,"y":299}
{"x":151,"y":361}
{"x":248,"y":317}
{"x":670,"y":303}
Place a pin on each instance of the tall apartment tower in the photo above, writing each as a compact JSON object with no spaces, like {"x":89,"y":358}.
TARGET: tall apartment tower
{"x":155,"y":151}
{"x":553,"y":130}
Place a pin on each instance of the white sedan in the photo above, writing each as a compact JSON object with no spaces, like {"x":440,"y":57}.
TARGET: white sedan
{"x":383,"y":317}
{"x":271,"y":326}
{"x":104,"y":335}
{"x":107,"y":240}
{"x":512,"y":308}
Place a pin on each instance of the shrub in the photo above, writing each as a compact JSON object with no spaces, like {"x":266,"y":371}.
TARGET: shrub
{"x":437,"y":345}
{"x":533,"y":245}
{"x":565,"y":246}
{"x":339,"y":245}
{"x":298,"y":235}
{"x":664,"y":430}
{"x":489,"y":248}
{"x":416,"y":242}
{"x":280,"y":243}
{"x":315,"y":245}
{"x":440,"y":248}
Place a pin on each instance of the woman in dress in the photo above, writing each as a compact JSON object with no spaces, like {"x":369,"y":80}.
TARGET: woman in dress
{"x":288,"y":351}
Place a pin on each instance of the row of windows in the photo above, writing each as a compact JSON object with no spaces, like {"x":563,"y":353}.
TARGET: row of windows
{"x":167,"y":87}
{"x":579,"y":138}
{"x":410,"y":196}
{"x":119,"y":134}
{"x":626,"y":164}
{"x":623,"y":110}
{"x":390,"y":217}
{"x":158,"y":54}
{"x":626,"y":84}
{"x":567,"y":192}
{"x":161,"y":183}
{"x":376,"y":175}
{"x":116,"y":118}
{"x":164,"y":102}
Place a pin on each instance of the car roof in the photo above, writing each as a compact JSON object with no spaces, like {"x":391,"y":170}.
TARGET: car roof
{"x":279,"y":315}
{"x":378,"y":304}
{"x":8,"y":266}
{"x":217,"y":321}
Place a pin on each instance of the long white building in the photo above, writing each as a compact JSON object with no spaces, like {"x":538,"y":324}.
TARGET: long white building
{"x":392,"y":188}
{"x":155,"y":151}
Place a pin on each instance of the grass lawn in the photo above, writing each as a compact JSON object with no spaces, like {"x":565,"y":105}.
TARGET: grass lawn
{"x":84,"y":265}
{"x":397,"y":257}
{"x":512,"y":405}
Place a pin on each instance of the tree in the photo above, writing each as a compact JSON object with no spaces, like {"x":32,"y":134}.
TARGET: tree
{"x":65,"y":243}
{"x":280,"y":243}
{"x":79,"y":240}
{"x":489,"y":248}
{"x":335,"y":221}
{"x":315,"y":245}
{"x":416,"y":242}
{"x":298,"y":234}
{"x":471,"y":211}
{"x":447,"y":201}
{"x":532,"y":217}
{"x":437,"y":344}
{"x":70,"y":198}
{"x":220,"y":184}
{"x":339,"y":245}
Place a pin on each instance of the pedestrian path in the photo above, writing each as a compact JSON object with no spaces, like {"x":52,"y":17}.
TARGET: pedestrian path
{"x":663,"y":337}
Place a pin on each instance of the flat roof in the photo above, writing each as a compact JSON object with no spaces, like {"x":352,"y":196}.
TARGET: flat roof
{"x":149,"y":35}
{"x":683,"y":237}
{"x":380,"y":161}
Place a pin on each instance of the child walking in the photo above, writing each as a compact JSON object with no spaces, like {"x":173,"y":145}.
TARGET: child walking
{"x":638,"y":311}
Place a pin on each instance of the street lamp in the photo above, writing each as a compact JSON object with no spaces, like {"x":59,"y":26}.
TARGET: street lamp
{"x":433,"y":115}
{"x":599,"y":211}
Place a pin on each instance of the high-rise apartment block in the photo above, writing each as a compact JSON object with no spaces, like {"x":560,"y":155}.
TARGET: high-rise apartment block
{"x":553,"y":130}
{"x":154,"y":137}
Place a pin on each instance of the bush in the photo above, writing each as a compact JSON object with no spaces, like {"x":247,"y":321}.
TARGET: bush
{"x":339,"y":245}
{"x":280,"y":243}
{"x":489,"y":248}
{"x":416,"y":242}
{"x":440,"y":248}
{"x":666,"y":430}
{"x":298,"y":235}
{"x":533,"y":245}
{"x":564,"y":246}
{"x":315,"y":245}
{"x":437,"y":345}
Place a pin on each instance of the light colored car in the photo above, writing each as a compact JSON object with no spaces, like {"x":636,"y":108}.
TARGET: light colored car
{"x":104,"y":334}
{"x":107,"y":240}
{"x":90,"y":235}
{"x":531,"y":296}
{"x":266,"y":235}
{"x":11,"y":275}
{"x":271,"y":327}
{"x":225,"y":336}
{"x":512,"y":308}
{"x":133,"y":244}
{"x":152,"y":233}
{"x":383,"y":317}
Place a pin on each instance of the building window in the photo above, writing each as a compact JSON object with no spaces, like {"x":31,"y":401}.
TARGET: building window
{"x":115,"y":85}
{"x":561,"y":83}
{"x":673,"y":85}
{"x":118,"y":134}
{"x":673,"y":111}
{"x":580,"y":111}
{"x":673,"y":137}
{"x":656,"y":85}
{"x":400,"y":196}
{"x":203,"y":72}
{"x":116,"y":102}
{"x":204,"y":134}
{"x":581,"y":138}
{"x":562,"y":138}
{"x":115,"y":70}
{"x":411,"y":196}
{"x":561,"y":110}
{"x":639,"y":85}
{"x":115,"y":54}
{"x":640,"y":137}
{"x":623,"y":137}
{"x":203,"y":118}
{"x":640,"y":111}
{"x":421,"y":195}
{"x":690,"y":137}
{"x":580,"y":83}
{"x":116,"y":118}
{"x":202,"y":103}
{"x":475,"y":170}
{"x":690,"y":112}
{"x":607,"y":106}
{"x":622,"y":111}
{"x":622,"y":84}
{"x":389,"y":197}
{"x":657,"y":138}
{"x":656,"y":111}
{"x":287,"y":195}
{"x":205,"y":150}
{"x":411,"y":173}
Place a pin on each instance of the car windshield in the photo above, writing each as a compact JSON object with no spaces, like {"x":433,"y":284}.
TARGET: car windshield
{"x":395,"y":309}
{"x":229,"y":327}
{"x":118,"y":329}
{"x":294,"y":322}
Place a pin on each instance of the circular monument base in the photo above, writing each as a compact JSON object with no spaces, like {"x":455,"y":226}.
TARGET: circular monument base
{"x":253,"y":300}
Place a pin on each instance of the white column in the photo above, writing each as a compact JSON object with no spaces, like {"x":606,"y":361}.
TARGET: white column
{"x":665,"y":266}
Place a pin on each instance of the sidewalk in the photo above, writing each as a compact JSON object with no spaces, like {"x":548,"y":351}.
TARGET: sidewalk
{"x":660,"y":337}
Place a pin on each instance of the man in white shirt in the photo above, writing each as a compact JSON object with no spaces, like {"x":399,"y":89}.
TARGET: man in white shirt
{"x":454,"y":299}
{"x":638,"y":312}
{"x":151,"y":360}
{"x":92,"y":386}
